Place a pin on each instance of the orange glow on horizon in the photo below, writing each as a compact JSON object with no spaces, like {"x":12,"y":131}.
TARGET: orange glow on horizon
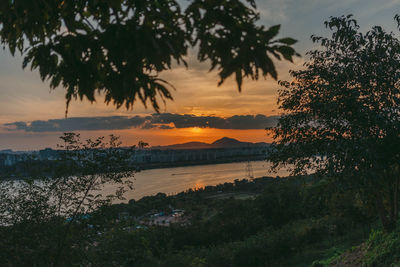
{"x":196,"y":130}
{"x":157,"y":137}
{"x":154,"y":137}
{"x":199,"y":185}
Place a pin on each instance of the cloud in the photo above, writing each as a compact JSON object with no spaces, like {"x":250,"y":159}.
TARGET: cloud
{"x":273,"y":11}
{"x":238,"y":122}
{"x":159,"y":121}
{"x":78,"y":124}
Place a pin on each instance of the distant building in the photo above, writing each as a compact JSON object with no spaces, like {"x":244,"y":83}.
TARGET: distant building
{"x":6,"y":151}
{"x":199,"y":155}
{"x":48,"y":154}
{"x":9,"y":159}
{"x":152,"y":156}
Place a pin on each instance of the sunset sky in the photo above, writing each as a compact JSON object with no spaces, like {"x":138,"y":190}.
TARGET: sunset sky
{"x":32,"y":116}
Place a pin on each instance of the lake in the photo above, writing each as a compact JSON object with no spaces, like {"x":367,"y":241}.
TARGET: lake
{"x":178,"y":179}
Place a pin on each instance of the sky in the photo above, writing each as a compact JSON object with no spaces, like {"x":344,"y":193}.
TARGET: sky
{"x":33,"y":117}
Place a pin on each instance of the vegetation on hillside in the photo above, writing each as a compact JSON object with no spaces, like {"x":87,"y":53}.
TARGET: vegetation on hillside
{"x":269,"y":221}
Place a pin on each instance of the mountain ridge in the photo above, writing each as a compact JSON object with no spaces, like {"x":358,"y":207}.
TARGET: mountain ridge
{"x":224,"y":142}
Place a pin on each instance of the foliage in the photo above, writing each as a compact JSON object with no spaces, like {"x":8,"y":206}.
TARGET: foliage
{"x":341,"y":114}
{"x":237,"y":232}
{"x":383,"y":248}
{"x":42,"y":211}
{"x":222,"y":231}
{"x":119,"y":47}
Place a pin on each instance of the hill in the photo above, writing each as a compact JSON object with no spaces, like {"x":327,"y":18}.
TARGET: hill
{"x":224,"y":142}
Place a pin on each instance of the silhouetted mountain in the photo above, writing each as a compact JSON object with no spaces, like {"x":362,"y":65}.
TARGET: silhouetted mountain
{"x":229,"y":142}
{"x":224,"y":142}
{"x":189,"y":145}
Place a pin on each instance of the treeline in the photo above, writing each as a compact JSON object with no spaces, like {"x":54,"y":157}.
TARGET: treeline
{"x":281,"y":222}
{"x":289,"y":223}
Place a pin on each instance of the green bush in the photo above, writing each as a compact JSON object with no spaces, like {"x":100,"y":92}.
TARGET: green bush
{"x":383,"y":249}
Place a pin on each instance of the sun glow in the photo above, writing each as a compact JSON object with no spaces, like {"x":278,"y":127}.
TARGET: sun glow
{"x":199,"y":185}
{"x":196,"y":130}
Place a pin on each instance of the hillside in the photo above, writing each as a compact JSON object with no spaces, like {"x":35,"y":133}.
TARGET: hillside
{"x":224,"y":142}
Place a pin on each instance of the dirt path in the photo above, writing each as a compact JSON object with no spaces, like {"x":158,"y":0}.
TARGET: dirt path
{"x":352,"y":258}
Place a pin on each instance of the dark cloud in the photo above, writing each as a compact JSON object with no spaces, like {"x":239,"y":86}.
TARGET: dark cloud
{"x":239,"y":122}
{"x":79,"y":124}
{"x":159,"y":121}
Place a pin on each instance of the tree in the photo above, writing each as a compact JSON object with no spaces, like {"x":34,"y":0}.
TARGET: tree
{"x":44,"y":217}
{"x":119,"y":47}
{"x":342,"y":114}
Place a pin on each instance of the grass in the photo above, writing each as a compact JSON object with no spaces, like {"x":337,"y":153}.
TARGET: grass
{"x":326,"y":252}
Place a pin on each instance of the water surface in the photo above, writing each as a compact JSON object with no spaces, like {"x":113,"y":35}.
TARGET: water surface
{"x":178,"y":179}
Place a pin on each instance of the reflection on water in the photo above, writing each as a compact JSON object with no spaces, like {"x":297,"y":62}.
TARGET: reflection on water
{"x":178,"y":179}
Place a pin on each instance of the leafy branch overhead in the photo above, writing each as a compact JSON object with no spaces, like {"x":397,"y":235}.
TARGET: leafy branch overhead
{"x":119,"y":47}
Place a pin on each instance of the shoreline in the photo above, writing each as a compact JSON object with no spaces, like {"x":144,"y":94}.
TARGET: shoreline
{"x":165,"y":165}
{"x":151,"y":166}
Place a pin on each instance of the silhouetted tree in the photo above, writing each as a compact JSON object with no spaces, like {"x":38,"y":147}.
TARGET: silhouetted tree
{"x":342,"y":114}
{"x":43,"y":211}
{"x":119,"y":47}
